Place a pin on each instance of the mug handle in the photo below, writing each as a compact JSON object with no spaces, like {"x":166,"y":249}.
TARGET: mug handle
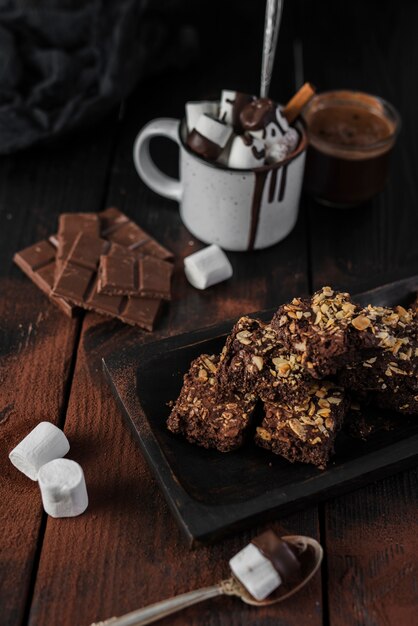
{"x":145,"y":166}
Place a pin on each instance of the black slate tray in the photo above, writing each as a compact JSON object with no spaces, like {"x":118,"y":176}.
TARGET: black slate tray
{"x":211,"y":493}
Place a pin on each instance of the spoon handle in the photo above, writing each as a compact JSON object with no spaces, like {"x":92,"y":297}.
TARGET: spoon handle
{"x":154,"y":612}
{"x":271,"y":31}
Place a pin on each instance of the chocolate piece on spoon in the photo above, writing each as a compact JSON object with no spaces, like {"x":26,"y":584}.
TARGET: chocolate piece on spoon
{"x":265,"y":564}
{"x":281,"y":554}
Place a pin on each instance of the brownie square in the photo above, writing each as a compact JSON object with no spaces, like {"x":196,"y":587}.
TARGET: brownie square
{"x":304,"y":431}
{"x":206,"y":418}
{"x":388,"y":373}
{"x":321,"y":329}
{"x":254,"y":361}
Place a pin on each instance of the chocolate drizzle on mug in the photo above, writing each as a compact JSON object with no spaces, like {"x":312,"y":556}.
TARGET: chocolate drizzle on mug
{"x":260,"y":181}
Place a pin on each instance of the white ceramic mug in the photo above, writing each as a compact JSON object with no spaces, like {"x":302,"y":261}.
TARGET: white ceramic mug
{"x":235,"y":208}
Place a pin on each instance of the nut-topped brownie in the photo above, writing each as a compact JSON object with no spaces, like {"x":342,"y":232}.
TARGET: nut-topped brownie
{"x":254,"y":361}
{"x":389,"y":371}
{"x":322,"y":330}
{"x":304,"y":431}
{"x":202,"y":416}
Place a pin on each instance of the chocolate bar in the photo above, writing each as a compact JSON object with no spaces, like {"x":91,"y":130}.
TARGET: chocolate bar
{"x":38,"y":263}
{"x":118,"y":228}
{"x":122,"y":272}
{"x":78,"y":282}
{"x":69,"y":227}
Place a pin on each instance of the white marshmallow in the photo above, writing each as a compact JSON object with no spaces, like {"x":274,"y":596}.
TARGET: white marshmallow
{"x":214,"y":130}
{"x":232,"y":103}
{"x":227,"y":105}
{"x":195,"y":109}
{"x":290,"y":139}
{"x":223,"y":158}
{"x":207,"y":267}
{"x":244,"y":155}
{"x":282,"y":120}
{"x":63,"y":488}
{"x":44,"y":443}
{"x":277,"y":152}
{"x":255,"y":572}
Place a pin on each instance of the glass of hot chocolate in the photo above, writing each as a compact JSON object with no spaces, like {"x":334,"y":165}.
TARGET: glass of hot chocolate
{"x":351,"y":135}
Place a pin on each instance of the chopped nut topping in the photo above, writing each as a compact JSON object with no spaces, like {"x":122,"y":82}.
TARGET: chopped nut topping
{"x":263,"y":433}
{"x":243,"y":337}
{"x":298,"y":429}
{"x":210,"y":365}
{"x":258,"y":361}
{"x":361,"y":322}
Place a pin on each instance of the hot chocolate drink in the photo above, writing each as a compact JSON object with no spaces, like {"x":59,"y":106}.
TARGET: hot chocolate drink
{"x":351,"y":135}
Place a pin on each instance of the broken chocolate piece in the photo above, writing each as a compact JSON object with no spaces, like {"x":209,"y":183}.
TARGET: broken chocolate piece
{"x":38,"y":263}
{"x":122,"y":272}
{"x":118,"y":228}
{"x":78,"y":283}
{"x":70,"y":225}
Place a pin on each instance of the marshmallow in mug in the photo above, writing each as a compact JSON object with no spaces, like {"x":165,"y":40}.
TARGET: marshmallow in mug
{"x":207,"y":267}
{"x":264,"y":120}
{"x":246,"y":152}
{"x":209,"y":137}
{"x":279,"y":151}
{"x":232,"y":103}
{"x":195,"y":109}
{"x":43,"y":444}
{"x":63,"y":488}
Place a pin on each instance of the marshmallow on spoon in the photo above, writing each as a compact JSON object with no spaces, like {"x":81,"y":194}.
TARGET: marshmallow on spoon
{"x":63,"y":488}
{"x":207,"y":267}
{"x":43,"y":444}
{"x":232,"y":103}
{"x":209,"y":137}
{"x":195,"y":109}
{"x":265,"y":564}
{"x":246,"y":152}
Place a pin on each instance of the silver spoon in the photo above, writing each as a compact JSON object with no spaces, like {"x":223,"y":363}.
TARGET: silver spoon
{"x":273,"y":18}
{"x":309,"y":552}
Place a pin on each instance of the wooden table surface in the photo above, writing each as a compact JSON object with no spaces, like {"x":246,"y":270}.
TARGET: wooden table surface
{"x":126,"y":551}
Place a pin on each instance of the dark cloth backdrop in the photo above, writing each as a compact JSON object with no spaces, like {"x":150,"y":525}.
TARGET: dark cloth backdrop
{"x":67,"y":63}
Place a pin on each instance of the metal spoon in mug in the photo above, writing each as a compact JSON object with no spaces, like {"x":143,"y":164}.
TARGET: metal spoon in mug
{"x":308,"y":550}
{"x":272,"y":22}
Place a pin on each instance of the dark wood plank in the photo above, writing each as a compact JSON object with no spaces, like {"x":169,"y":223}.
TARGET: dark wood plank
{"x":127,"y":540}
{"x":371,"y":547}
{"x":127,"y":551}
{"x":37,"y":341}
